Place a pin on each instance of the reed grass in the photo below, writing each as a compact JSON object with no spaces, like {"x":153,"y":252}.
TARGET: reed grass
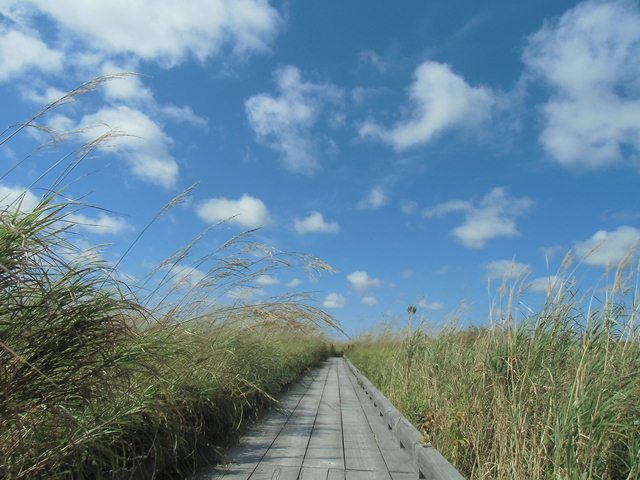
{"x":102,"y":377}
{"x":553,"y":396}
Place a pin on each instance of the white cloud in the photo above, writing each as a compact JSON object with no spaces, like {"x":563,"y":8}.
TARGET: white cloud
{"x":43,"y":97}
{"x":295,"y":282}
{"x":362,"y":283}
{"x":103,"y":224}
{"x":247,"y":211}
{"x":12,"y":198}
{"x":369,"y":300}
{"x":184,"y":115}
{"x":375,"y":199}
{"x":506,"y":270}
{"x":606,"y":249}
{"x":423,"y":303}
{"x":439,"y":100}
{"x":491,"y":217}
{"x":334,"y":300}
{"x":21,"y":51}
{"x":315,"y":223}
{"x":127,"y":88}
{"x":81,"y":251}
{"x":266,"y":280}
{"x":589,"y":58}
{"x":545,"y":284}
{"x":163,"y":32}
{"x":144,"y":145}
{"x":407,"y":273}
{"x":182,"y":275}
{"x":245,"y":294}
{"x":285,"y":121}
{"x":371,"y":57}
{"x":551,"y":251}
{"x":408,"y":207}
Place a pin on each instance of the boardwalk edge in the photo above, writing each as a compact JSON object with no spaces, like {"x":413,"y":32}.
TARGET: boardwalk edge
{"x":429,"y":462}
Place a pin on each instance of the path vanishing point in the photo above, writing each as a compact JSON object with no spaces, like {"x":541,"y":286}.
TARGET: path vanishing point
{"x":333,"y":425}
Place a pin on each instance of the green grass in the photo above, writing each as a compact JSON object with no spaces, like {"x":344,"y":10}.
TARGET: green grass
{"x":554,"y":397}
{"x":143,"y":378}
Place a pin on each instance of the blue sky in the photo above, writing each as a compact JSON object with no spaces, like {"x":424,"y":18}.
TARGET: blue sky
{"x":422,"y":149}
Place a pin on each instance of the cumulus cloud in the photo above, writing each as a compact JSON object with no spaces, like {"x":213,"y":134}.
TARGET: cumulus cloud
{"x":163,"y":33}
{"x":334,"y":300}
{"x":545,"y":285}
{"x":369,"y":300}
{"x":22,"y":51}
{"x":492,"y":216}
{"x":374,"y":199}
{"x":127,"y":88}
{"x":606,"y":249}
{"x":408,"y":207}
{"x":315,"y":223}
{"x":439,"y":100}
{"x":245,"y":294}
{"x":362,"y":283}
{"x":266,"y":280}
{"x":247,"y":211}
{"x":506,"y":270}
{"x":423,"y":303}
{"x":589,"y":59}
{"x":13,"y":198}
{"x":43,"y":96}
{"x":374,"y":59}
{"x":102,"y":224}
{"x":295,"y":282}
{"x":184,"y":114}
{"x":182,"y":275}
{"x":143,"y":145}
{"x":285,"y":121}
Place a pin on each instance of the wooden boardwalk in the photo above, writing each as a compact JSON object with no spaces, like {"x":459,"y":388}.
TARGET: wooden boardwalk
{"x":326,"y":429}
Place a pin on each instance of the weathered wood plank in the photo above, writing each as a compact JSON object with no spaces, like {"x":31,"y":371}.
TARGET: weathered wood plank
{"x":430,"y":463}
{"x":361,"y":450}
{"x":325,"y":446}
{"x":275,"y":472}
{"x":397,"y":459}
{"x":327,"y":429}
{"x":290,"y":446}
{"x":367,"y":475}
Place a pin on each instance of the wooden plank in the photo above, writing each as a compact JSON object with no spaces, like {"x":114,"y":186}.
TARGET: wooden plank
{"x":225,"y":473}
{"x":252,"y":446}
{"x":367,"y":475}
{"x":361,"y":450}
{"x":326,"y":429}
{"x":312,"y":473}
{"x":335,"y":474}
{"x":430,"y":463}
{"x":289,"y":447}
{"x":275,"y":472}
{"x":404,"y":476}
{"x":397,"y":459}
{"x":325,"y":446}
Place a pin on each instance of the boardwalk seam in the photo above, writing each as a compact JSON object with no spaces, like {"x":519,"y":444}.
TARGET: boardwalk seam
{"x":314,"y":376}
{"x":315,"y":419}
{"x":349,"y":375}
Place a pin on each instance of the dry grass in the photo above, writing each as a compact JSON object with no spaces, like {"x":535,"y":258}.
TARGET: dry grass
{"x":102,"y":377}
{"x":552,"y":397}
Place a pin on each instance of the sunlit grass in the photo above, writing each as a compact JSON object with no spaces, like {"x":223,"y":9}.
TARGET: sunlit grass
{"x":554,"y":395}
{"x":106,"y":376}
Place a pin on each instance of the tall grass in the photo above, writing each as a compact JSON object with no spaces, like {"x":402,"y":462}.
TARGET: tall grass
{"x":106,"y":378}
{"x":553,"y":396}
